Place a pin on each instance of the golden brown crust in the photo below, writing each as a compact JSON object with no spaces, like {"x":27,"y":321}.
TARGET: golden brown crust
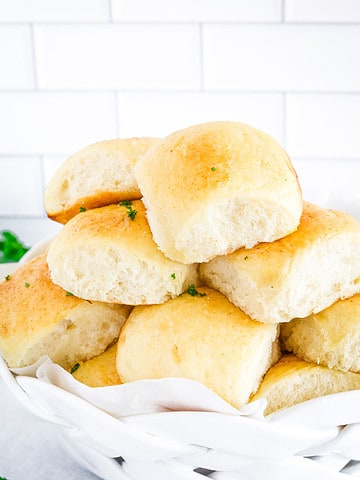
{"x":97,"y":200}
{"x":99,"y":371}
{"x":292,"y":380}
{"x":40,"y":318}
{"x":108,"y":254}
{"x":271,"y":262}
{"x":217,"y":177}
{"x":30,"y":301}
{"x":284,"y":279}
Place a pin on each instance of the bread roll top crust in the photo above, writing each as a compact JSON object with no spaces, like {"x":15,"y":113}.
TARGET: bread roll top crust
{"x":99,"y":371}
{"x":108,"y":254}
{"x":217,"y":177}
{"x":200,"y":336}
{"x":292,"y":380}
{"x":301,"y":273}
{"x":30,"y":301}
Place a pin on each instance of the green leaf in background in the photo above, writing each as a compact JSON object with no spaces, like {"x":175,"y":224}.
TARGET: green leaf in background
{"x":11,"y":248}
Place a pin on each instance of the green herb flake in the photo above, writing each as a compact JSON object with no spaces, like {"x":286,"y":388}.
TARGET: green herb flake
{"x":131,"y":212}
{"x":213,"y":169}
{"x":74,"y":368}
{"x":11,"y":248}
{"x":69,"y":294}
{"x":193,"y":292}
{"x":173,"y":276}
{"x":82,"y":209}
{"x":246,"y":257}
{"x":7,"y":278}
{"x":27,"y":285}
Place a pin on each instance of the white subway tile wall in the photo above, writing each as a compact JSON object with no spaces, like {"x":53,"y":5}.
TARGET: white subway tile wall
{"x":75,"y":72}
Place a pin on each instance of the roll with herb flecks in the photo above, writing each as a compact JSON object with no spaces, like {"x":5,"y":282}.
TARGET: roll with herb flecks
{"x":40,"y":318}
{"x":108,"y":254}
{"x":212,"y":188}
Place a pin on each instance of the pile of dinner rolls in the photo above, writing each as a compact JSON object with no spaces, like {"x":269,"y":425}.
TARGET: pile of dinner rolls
{"x":191,"y":256}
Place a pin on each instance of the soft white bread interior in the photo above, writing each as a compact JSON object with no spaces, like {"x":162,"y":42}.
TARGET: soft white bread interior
{"x":292,"y":380}
{"x":215,"y":187}
{"x":330,"y":337}
{"x":201,"y":336}
{"x":302,"y":273}
{"x":108,"y":254}
{"x":97,"y":175}
{"x":99,"y":371}
{"x":39,"y":318}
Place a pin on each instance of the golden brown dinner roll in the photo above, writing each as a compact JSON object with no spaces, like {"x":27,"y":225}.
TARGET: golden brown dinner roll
{"x":99,"y":174}
{"x":99,"y":371}
{"x":330,"y":337}
{"x":301,"y":273}
{"x":108,"y":254}
{"x":291,"y":381}
{"x":212,"y":188}
{"x":199,"y":335}
{"x":39,"y":318}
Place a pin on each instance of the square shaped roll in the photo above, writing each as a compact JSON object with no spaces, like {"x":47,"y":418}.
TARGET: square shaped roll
{"x":201,"y":336}
{"x":294,"y":276}
{"x":39,"y":318}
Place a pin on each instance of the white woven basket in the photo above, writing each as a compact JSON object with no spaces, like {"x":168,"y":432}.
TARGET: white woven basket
{"x":178,"y":429}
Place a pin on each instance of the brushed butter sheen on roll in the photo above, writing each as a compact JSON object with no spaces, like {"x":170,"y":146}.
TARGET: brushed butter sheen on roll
{"x":99,"y":371}
{"x":292,"y":381}
{"x":201,"y":337}
{"x":212,"y":188}
{"x":39,"y":318}
{"x":297,"y":275}
{"x":99,"y":174}
{"x":330,"y":337}
{"x":108,"y":254}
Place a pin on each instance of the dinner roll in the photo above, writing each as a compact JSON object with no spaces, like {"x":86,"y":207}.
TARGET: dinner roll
{"x":99,"y":371}
{"x":295,"y":276}
{"x":212,"y":188}
{"x":201,"y":336}
{"x":291,"y":381}
{"x":330,"y":337}
{"x":99,"y":174}
{"x":39,"y":318}
{"x":108,"y":254}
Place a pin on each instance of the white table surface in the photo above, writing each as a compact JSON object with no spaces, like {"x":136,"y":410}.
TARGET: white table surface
{"x":30,"y":448}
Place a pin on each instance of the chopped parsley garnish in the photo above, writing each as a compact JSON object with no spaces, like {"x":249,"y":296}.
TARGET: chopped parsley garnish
{"x":173,"y":276}
{"x":129,"y":209}
{"x":213,"y":169}
{"x":193,"y":292}
{"x":27,"y":285}
{"x":74,"y":367}
{"x":82,"y":209}
{"x":11,"y":248}
{"x":246,"y":257}
{"x":7,"y":278}
{"x":69,"y":294}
